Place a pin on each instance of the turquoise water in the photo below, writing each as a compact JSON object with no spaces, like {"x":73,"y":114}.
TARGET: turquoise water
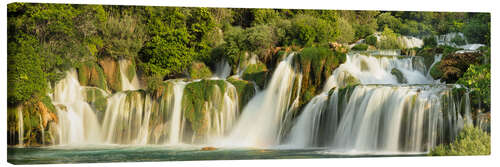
{"x":56,"y":155}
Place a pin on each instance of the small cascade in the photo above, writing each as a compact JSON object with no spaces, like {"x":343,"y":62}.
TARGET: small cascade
{"x":176,"y":127}
{"x":78,"y":124}
{"x":411,"y":42}
{"x":222,"y":70}
{"x":20,"y":125}
{"x":260,"y":122}
{"x":127,"y":83}
{"x":448,"y":39}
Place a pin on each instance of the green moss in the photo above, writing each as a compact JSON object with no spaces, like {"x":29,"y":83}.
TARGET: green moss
{"x":199,"y":70}
{"x":196,"y":94}
{"x":96,"y":98}
{"x":245,"y":89}
{"x":91,"y":74}
{"x":436,"y":72}
{"x":131,"y":71}
{"x":399,"y":75}
{"x":257,"y":73}
{"x":360,"y":47}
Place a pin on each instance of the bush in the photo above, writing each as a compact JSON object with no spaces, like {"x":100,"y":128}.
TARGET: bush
{"x":167,"y":55}
{"x":430,"y":42}
{"x":387,"y":20}
{"x":458,"y":40}
{"x":360,"y":47}
{"x":478,"y":79}
{"x":121,"y":42}
{"x":470,"y":141}
{"x":389,"y":40}
{"x":477,"y":29}
{"x":346,"y":32}
{"x":371,"y":40}
{"x":199,"y":70}
{"x":306,"y":30}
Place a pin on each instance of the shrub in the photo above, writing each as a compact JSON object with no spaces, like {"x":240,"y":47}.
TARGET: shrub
{"x":478,"y":79}
{"x":389,"y":40}
{"x":371,"y":40}
{"x":167,"y":55}
{"x":346,"y":32}
{"x":360,"y":47}
{"x":387,"y":20}
{"x":470,"y":141}
{"x":458,"y":40}
{"x":430,"y":42}
{"x":199,"y":70}
{"x":120,"y":42}
{"x":306,"y":30}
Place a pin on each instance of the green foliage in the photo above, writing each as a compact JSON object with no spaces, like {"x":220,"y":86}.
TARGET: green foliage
{"x":470,"y":141}
{"x":257,"y":73}
{"x":387,"y":20}
{"x":371,"y":40}
{"x":199,"y":70}
{"x":264,"y":16}
{"x":389,"y":40}
{"x":167,"y":55}
{"x":360,"y":47}
{"x":25,"y":76}
{"x":477,"y":29}
{"x":122,"y":36}
{"x":430,"y":42}
{"x":345,"y":31}
{"x":306,"y":30}
{"x":245,"y":89}
{"x":458,"y":40}
{"x":436,"y":72}
{"x":478,"y":79}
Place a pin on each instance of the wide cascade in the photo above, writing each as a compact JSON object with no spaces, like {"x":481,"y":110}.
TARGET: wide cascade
{"x":260,"y":124}
{"x":381,"y":104}
{"x":136,"y":117}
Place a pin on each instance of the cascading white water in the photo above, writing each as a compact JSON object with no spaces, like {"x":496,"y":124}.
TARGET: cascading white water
{"x":411,"y":42}
{"x":128,"y":84}
{"x":447,"y":39}
{"x":222,"y":70}
{"x":372,"y":118}
{"x":20,"y":125}
{"x":375,"y":70}
{"x":175,"y":121}
{"x":78,"y":124}
{"x":262,"y":117}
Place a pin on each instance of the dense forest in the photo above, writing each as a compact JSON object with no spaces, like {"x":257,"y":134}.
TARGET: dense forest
{"x":46,"y":40}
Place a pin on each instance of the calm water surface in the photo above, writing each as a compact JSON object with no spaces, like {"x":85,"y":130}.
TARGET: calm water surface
{"x":95,"y":154}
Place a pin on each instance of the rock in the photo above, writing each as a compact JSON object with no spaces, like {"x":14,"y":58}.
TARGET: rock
{"x":399,"y":75}
{"x":245,"y":89}
{"x":199,"y":70}
{"x":111,"y":73}
{"x":453,"y":66}
{"x":257,"y":73}
{"x":91,"y":74}
{"x":209,"y":148}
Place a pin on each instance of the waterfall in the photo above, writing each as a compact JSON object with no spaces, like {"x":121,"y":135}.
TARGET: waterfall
{"x":175,"y":122}
{"x":262,"y":117}
{"x":128,"y":84}
{"x":411,"y":42}
{"x":20,"y":125}
{"x":222,"y":70}
{"x":78,"y":124}
{"x":380,"y":115}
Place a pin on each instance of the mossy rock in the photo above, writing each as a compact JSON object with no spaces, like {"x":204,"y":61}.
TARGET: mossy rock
{"x":131,"y":70}
{"x":97,"y":98}
{"x":199,"y":70}
{"x":347,"y":80}
{"x":399,"y":76}
{"x":196,"y":95}
{"x":257,"y":73}
{"x":245,"y":89}
{"x":91,"y":74}
{"x":111,"y":71}
{"x":38,"y":113}
{"x":436,"y":72}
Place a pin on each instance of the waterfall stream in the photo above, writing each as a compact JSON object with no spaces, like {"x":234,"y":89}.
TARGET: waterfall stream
{"x":381,"y":114}
{"x":370,"y":103}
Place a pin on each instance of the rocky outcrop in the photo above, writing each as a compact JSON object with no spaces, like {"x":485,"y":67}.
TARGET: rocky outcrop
{"x":256,"y":72}
{"x":245,"y":89}
{"x":453,"y":66}
{"x":111,"y":71}
{"x":91,"y":74}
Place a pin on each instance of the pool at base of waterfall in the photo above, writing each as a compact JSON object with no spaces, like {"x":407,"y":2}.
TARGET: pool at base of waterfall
{"x":104,"y":154}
